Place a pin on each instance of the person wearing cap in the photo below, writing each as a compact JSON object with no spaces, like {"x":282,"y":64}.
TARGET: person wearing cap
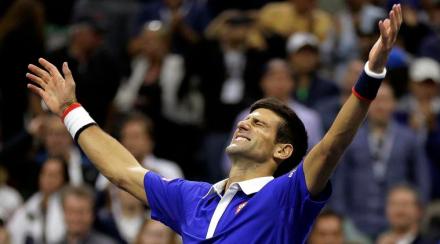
{"x":251,"y":206}
{"x":303,"y":57}
{"x":420,"y":109}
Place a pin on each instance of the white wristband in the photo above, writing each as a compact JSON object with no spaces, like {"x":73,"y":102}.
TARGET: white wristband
{"x":77,"y":120}
{"x":374,"y":74}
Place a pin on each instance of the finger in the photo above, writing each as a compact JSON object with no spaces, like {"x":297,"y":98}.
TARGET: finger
{"x":37,"y":90}
{"x":49,"y":67}
{"x":67,"y":73}
{"x":382,"y":29}
{"x":395,"y":19}
{"x":36,"y":79}
{"x":39,"y":72}
{"x":393,"y":23}
{"x":399,"y":14}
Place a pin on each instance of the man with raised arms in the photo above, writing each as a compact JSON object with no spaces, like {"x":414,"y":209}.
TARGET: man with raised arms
{"x":250,"y":206}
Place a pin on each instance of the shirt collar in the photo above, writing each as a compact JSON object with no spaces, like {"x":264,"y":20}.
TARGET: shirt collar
{"x":248,"y":186}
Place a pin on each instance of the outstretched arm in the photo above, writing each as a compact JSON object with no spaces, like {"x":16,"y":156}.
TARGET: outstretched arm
{"x":323,"y":158}
{"x":108,"y":155}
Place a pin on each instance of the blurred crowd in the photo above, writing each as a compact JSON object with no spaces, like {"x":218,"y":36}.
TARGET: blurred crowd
{"x":171,"y":78}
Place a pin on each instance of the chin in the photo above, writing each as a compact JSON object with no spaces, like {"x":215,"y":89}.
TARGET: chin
{"x":233,"y":149}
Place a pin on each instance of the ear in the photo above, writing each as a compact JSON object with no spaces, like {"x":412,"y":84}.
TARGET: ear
{"x":283,"y":151}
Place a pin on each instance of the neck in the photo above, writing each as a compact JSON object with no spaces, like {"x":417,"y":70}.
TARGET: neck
{"x":405,"y":230}
{"x":75,"y":237}
{"x":378,"y":127}
{"x":245,"y":169}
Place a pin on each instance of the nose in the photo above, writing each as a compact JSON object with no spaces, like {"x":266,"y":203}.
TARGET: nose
{"x":243,"y":125}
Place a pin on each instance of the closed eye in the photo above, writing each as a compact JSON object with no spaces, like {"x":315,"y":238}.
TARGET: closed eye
{"x":260,"y":123}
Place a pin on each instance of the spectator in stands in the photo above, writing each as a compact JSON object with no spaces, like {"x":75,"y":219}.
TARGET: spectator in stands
{"x":429,"y":46}
{"x":404,"y":213}
{"x":162,"y":87}
{"x":303,"y":56}
{"x":185,"y":21}
{"x":358,"y":16}
{"x":328,"y":108}
{"x":382,"y":154}
{"x":78,"y":205}
{"x":414,"y":28}
{"x":155,"y":84}
{"x":420,"y":109}
{"x":229,"y":68}
{"x":41,"y":219}
{"x":155,"y":232}
{"x":22,"y":42}
{"x":277,"y":82}
{"x":122,"y":219}
{"x":136,"y":134}
{"x":293,"y":16}
{"x":328,"y":229}
{"x":11,"y":200}
{"x":92,"y":64}
{"x":58,"y":143}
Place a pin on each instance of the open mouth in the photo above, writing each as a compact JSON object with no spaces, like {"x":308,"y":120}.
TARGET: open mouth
{"x":241,"y":138}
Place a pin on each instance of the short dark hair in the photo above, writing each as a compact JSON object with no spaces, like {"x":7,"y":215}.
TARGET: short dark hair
{"x":139,"y":117}
{"x":64,"y":166}
{"x":328,"y":212}
{"x":81,"y":191}
{"x":291,"y":131}
{"x":407,"y":187}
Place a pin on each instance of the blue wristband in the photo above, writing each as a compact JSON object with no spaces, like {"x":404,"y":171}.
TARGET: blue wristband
{"x":367,"y":86}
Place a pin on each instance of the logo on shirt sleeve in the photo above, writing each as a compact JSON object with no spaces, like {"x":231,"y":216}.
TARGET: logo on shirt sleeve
{"x":292,"y":172}
{"x":240,"y":207}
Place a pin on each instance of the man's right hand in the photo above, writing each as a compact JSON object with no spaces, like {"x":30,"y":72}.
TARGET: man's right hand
{"x":58,"y":92}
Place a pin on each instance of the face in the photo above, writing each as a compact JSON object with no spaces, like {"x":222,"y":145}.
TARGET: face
{"x":136,"y":139}
{"x":155,"y":232}
{"x":382,"y":108}
{"x":327,"y":230}
{"x":57,"y":141}
{"x":402,"y":209}
{"x":86,"y":37}
{"x":78,"y":214}
{"x":425,"y":90}
{"x":51,"y":177}
{"x":255,"y":136}
{"x":304,"y":61}
{"x":277,"y":82}
{"x":235,"y":34}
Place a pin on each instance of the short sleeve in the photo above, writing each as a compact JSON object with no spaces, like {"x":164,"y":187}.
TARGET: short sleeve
{"x":170,"y":199}
{"x":291,"y":190}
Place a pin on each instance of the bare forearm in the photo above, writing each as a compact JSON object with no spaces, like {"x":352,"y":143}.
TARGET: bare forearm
{"x":323,"y":159}
{"x":112,"y":160}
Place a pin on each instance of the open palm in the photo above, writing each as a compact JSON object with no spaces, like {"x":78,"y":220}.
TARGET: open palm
{"x":389,"y":29}
{"x":58,"y":92}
